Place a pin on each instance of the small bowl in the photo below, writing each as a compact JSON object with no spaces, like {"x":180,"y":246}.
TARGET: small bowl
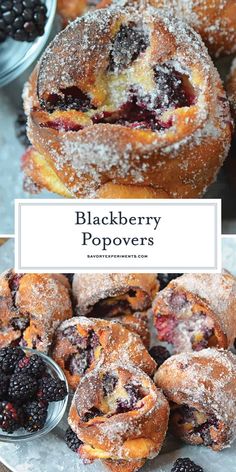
{"x":16,"y":56}
{"x":56,"y":410}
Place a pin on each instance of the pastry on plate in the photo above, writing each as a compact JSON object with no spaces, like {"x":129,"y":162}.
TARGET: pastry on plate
{"x":82,"y":343}
{"x":201,"y":387}
{"x":120,"y":417}
{"x":214,"y":20}
{"x":122,"y":297}
{"x":31,"y":307}
{"x":196,"y":311}
{"x":126,"y":103}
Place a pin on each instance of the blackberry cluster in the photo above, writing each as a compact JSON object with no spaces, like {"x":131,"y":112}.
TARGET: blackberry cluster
{"x":159,"y":354}
{"x":21,"y":387}
{"x":9,"y":356}
{"x":26,"y":387}
{"x":33,"y":365}
{"x":186,"y":465}
{"x":72,"y":441}
{"x":51,"y":390}
{"x":4,"y":384}
{"x":164,"y":279}
{"x":22,"y":20}
{"x":35,"y":415}
{"x":11,"y":417}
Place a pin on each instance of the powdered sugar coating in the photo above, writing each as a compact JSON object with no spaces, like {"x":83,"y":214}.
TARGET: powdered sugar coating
{"x":112,"y":433}
{"x":215,"y":20}
{"x":205,"y":380}
{"x":89,"y":289}
{"x":218,"y":291}
{"x":85,"y":160}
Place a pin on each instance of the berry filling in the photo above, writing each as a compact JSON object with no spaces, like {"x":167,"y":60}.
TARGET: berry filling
{"x":71,"y":98}
{"x":127,"y":404}
{"x":117,"y":398}
{"x":185,"y":327}
{"x":81,"y":360}
{"x":189,"y":421}
{"x":128,"y":303}
{"x":125,"y":95}
{"x":20,"y":322}
{"x":128,"y":44}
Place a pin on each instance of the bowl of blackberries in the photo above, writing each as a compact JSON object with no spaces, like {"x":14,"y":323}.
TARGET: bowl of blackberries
{"x":33,"y":394}
{"x":25,"y":26}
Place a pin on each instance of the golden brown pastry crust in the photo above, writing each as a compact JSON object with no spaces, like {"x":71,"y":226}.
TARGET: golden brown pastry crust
{"x":70,"y":9}
{"x":204,"y":381}
{"x":137,"y":435}
{"x":114,"y":160}
{"x":231,"y":88}
{"x":214,"y":20}
{"x":211,"y":295}
{"x":123,"y":297}
{"x":31,"y":307}
{"x":111,"y":340}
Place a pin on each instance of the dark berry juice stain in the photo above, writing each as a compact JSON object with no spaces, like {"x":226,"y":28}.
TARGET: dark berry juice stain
{"x":109,"y":383}
{"x":80,"y":361}
{"x":128,"y":43}
{"x":204,"y":430}
{"x":77,"y":363}
{"x":134,"y":395}
{"x":73,"y":98}
{"x":173,"y":87}
{"x":91,"y":414}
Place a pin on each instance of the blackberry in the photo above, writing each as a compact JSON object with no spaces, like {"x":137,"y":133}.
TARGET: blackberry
{"x":20,"y":129}
{"x":9,"y":356}
{"x":72,"y":441}
{"x":4,"y":384}
{"x":159,"y":354}
{"x":33,"y":365}
{"x":11,"y":417}
{"x":22,"y":387}
{"x":51,"y":390}
{"x":22,"y":20}
{"x":186,"y":465}
{"x":164,"y":279}
{"x":35,"y":415}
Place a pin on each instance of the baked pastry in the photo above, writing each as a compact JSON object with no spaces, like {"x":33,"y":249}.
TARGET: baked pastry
{"x":196,"y":311}
{"x":201,"y":387}
{"x":120,"y":417}
{"x":69,"y":10}
{"x":134,"y":109}
{"x":121,"y":297}
{"x":82,"y":343}
{"x":31,"y":307}
{"x":214,"y":20}
{"x":231,"y":88}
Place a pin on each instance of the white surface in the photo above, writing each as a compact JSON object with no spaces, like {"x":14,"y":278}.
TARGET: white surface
{"x":184,"y":235}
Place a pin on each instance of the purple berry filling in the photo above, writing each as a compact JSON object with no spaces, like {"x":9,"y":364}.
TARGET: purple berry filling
{"x":128,"y":43}
{"x":125,"y":405}
{"x":81,"y":360}
{"x":73,"y":99}
{"x":109,"y":383}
